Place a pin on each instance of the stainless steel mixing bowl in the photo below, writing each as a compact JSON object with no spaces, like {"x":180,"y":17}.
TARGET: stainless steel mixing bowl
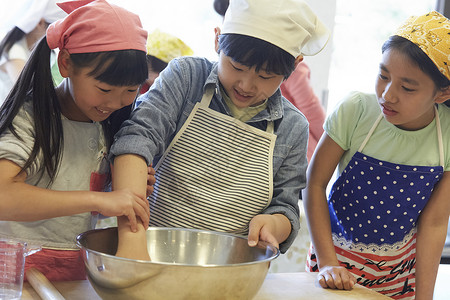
{"x":186,"y":264}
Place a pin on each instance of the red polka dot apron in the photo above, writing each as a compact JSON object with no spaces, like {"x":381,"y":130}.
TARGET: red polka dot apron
{"x":215,"y":175}
{"x":374,"y":206}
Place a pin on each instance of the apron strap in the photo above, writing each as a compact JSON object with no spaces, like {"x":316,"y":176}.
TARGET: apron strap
{"x":270,"y":127}
{"x":206,"y":101}
{"x":370,"y":132}
{"x":438,"y":131}
{"x":207,"y":95}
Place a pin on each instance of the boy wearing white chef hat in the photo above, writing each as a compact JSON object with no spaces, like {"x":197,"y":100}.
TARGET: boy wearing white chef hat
{"x":288,"y":24}
{"x":229,"y":150}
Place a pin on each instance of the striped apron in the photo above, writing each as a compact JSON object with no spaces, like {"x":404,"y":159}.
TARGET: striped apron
{"x":374,"y":206}
{"x":215,"y":175}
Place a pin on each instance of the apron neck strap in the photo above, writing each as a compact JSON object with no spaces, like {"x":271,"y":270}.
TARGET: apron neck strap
{"x":438,"y":131}
{"x":206,"y":101}
{"x":207,"y":95}
{"x":374,"y":126}
{"x":270,"y":127}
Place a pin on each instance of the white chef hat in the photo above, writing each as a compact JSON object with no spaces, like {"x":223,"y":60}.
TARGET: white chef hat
{"x":288,"y":24}
{"x":32,"y":11}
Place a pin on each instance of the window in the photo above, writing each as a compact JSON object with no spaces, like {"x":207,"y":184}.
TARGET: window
{"x":360,"y":30}
{"x":191,"y":21}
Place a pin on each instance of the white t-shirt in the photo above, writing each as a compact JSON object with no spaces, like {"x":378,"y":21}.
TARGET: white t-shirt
{"x":82,"y":154}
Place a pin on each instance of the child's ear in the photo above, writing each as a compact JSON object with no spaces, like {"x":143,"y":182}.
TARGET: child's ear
{"x":298,"y":60}
{"x":64,"y":63}
{"x":443,"y":95}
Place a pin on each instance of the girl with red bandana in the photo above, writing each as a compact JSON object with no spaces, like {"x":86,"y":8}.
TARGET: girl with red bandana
{"x":54,"y":140}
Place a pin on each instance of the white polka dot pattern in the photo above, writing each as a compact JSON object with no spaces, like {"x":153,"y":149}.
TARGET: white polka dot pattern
{"x":384,"y":204}
{"x":374,"y":206}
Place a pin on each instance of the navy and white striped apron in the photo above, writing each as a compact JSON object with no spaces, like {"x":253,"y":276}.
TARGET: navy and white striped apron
{"x":374,"y":206}
{"x":215,"y":175}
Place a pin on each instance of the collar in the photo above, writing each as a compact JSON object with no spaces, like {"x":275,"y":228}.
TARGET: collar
{"x":275,"y":104}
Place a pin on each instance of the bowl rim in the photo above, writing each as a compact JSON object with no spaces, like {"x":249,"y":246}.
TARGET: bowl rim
{"x":261,"y":245}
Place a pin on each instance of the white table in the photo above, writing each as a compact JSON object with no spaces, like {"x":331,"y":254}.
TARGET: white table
{"x":286,"y":286}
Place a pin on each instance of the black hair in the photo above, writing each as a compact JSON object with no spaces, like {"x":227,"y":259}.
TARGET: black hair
{"x":221,"y":6}
{"x":155,"y":64}
{"x":251,"y":51}
{"x":12,"y":37}
{"x":118,"y":68}
{"x":418,"y":57}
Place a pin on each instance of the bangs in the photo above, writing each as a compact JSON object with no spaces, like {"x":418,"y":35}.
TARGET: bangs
{"x":117,"y":68}
{"x":254,"y":52}
{"x":418,"y":57}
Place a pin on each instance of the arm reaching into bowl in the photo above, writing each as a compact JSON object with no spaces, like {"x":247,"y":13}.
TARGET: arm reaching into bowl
{"x":130,"y":171}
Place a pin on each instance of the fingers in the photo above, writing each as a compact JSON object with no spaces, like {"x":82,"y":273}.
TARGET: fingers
{"x":336,"y":278}
{"x":144,"y":203}
{"x":352,"y":281}
{"x":151,"y":171}
{"x":275,"y":244}
{"x":261,"y":228}
{"x":137,"y":207}
{"x":143,"y":212}
{"x":133,"y":223}
{"x":150,"y":180}
{"x":253,"y":232}
{"x":328,"y":281}
{"x":151,"y":176}
{"x":348,"y":281}
{"x":322,"y":281}
{"x":149,"y":190}
{"x":266,"y":236}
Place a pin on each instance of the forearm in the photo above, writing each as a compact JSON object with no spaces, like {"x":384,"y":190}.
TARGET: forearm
{"x":20,"y":201}
{"x":429,"y":244}
{"x":431,"y":231}
{"x":132,"y":244}
{"x":320,"y":170}
{"x":318,"y":218}
{"x":130,"y":172}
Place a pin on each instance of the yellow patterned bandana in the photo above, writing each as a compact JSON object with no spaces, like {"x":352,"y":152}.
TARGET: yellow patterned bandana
{"x":431,"y":32}
{"x":166,"y":47}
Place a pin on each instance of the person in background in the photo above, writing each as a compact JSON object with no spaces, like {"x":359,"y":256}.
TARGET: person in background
{"x":54,"y":141}
{"x":29,"y":24}
{"x":229,"y":150}
{"x":221,"y":6}
{"x":386,"y":218}
{"x":161,"y":49}
{"x":298,"y":90}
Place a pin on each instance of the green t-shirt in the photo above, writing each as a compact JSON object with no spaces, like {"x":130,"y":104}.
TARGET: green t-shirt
{"x":352,"y":119}
{"x":243,"y":114}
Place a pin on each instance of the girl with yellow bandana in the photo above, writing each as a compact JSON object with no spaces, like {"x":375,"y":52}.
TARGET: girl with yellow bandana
{"x":386,"y":217}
